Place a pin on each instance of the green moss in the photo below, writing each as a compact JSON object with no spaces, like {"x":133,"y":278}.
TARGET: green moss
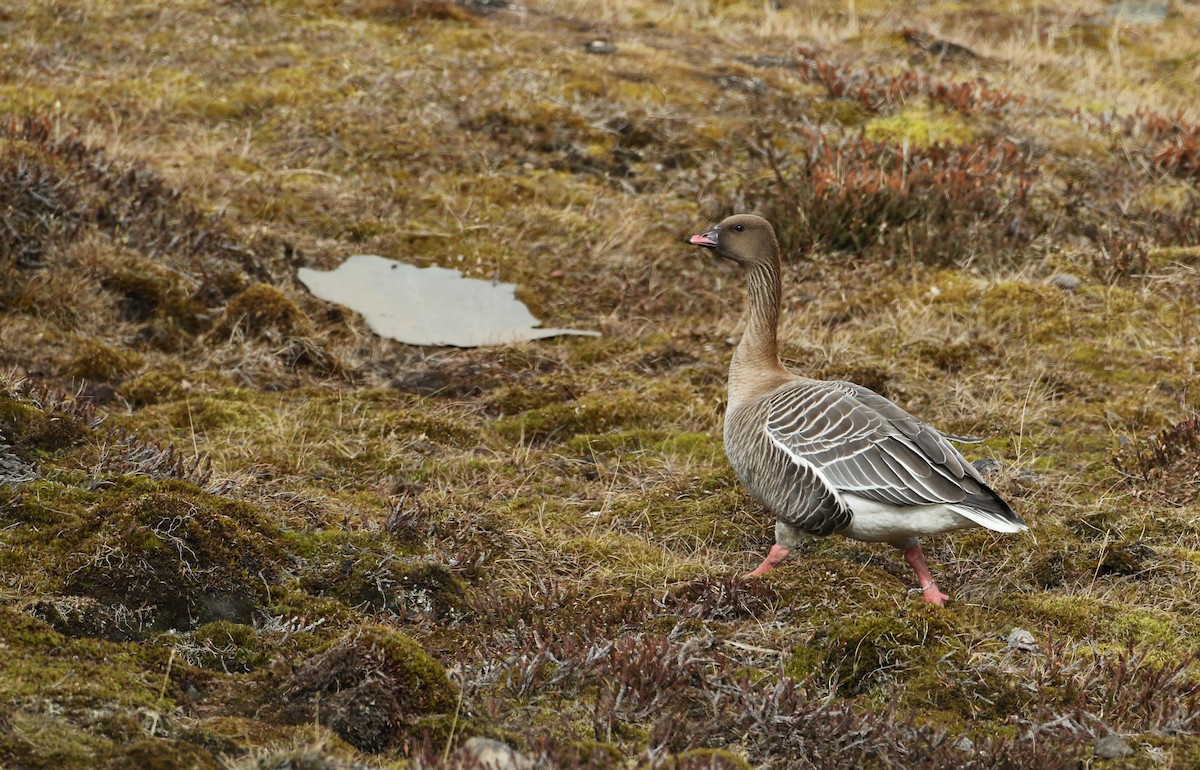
{"x":146,"y":294}
{"x":514,"y":399}
{"x":1185,"y":255}
{"x":587,"y":445}
{"x":204,"y":413}
{"x":96,"y":360}
{"x":594,"y":413}
{"x":373,"y":576}
{"x":154,"y":386}
{"x":700,"y":446}
{"x":79,"y":676}
{"x":227,"y":646}
{"x":370,"y":684}
{"x":872,"y":644}
{"x":1034,"y":312}
{"x":27,"y":427}
{"x":920,"y":128}
{"x":411,"y":10}
{"x":441,"y":428}
{"x":1094,"y":35}
{"x":843,"y":112}
{"x":163,"y":754}
{"x":1112,"y":627}
{"x":173,"y":558}
{"x":262,"y":311}
{"x":41,"y":742}
{"x":707,"y":759}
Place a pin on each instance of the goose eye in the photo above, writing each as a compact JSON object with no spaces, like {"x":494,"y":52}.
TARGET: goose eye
{"x":739,"y":228}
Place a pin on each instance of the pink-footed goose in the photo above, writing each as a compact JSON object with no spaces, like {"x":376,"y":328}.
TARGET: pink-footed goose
{"x":832,"y":457}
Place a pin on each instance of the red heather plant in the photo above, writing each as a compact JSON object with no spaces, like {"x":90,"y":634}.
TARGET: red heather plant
{"x":935,"y":204}
{"x":1181,"y":156}
{"x":1178,"y":141}
{"x":878,"y":91}
{"x":1169,"y":461}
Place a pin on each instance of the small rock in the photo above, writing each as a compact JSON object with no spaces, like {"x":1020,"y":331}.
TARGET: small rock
{"x":767,"y":60}
{"x":101,"y":393}
{"x":1021,"y":639}
{"x":13,"y":470}
{"x":600,"y":46}
{"x":1112,"y":746}
{"x":1065,"y":281}
{"x":943,"y":49}
{"x":964,"y":744}
{"x":487,"y":754}
{"x":988,"y":466}
{"x":486,"y":6}
{"x":739,"y":83}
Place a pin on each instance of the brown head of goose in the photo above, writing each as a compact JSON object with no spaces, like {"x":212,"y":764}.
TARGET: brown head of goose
{"x":832,"y":457}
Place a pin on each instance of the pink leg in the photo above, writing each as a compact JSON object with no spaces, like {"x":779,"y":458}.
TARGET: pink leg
{"x":778,"y":553}
{"x":929,"y":589}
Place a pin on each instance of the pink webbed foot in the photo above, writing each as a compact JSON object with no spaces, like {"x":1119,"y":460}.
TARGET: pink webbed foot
{"x":778,"y":553}
{"x":931,"y":594}
{"x":929,"y":589}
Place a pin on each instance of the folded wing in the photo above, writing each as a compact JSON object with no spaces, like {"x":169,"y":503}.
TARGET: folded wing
{"x":861,"y":443}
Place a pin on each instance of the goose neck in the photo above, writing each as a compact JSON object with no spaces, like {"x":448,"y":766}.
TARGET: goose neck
{"x":756,"y":359}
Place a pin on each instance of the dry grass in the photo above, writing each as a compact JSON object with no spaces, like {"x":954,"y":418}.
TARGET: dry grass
{"x":550,"y":532}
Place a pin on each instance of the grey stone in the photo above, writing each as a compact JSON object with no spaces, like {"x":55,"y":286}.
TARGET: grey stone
{"x":1112,"y":746}
{"x":1065,"y":281}
{"x":487,"y":754}
{"x":1020,"y":639}
{"x":13,"y":470}
{"x":988,"y":466}
{"x":600,"y":46}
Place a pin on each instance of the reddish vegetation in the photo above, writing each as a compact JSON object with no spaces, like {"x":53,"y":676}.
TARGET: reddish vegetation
{"x":877,"y":91}
{"x":934,"y":203}
{"x":1181,"y":156}
{"x":1168,"y":462}
{"x":1176,"y":142}
{"x":1121,"y":254}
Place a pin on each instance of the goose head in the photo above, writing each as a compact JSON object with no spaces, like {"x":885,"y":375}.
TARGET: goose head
{"x":747,"y":239}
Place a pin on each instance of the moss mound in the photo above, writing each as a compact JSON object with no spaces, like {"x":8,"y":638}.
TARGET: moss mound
{"x":367,"y":574}
{"x":96,"y":360}
{"x":372,"y":686}
{"x":163,"y":754}
{"x":172,"y":559}
{"x":262,"y":311}
{"x":29,"y":428}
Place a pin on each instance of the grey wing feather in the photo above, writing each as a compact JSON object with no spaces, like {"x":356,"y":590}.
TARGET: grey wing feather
{"x":862,"y":443}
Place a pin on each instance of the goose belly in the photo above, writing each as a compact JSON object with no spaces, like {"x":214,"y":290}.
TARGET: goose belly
{"x":877,"y":522}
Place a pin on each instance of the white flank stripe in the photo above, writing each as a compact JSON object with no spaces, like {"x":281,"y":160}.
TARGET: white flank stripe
{"x":991,"y":521}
